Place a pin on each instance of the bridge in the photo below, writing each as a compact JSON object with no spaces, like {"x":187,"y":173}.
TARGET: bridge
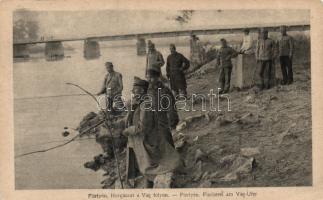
{"x":54,"y":49}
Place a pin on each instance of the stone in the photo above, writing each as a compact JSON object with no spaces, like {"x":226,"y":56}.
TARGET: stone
{"x":205,"y":175}
{"x":198,"y":172}
{"x":242,"y":117}
{"x":200,"y":155}
{"x":241,"y":167}
{"x":109,"y":181}
{"x":163,"y":180}
{"x":213,"y":149}
{"x":273,"y":97}
{"x":205,"y":184}
{"x":179,"y":145}
{"x":246,"y":167}
{"x":194,"y":118}
{"x":213,"y":175}
{"x":244,"y":71}
{"x":250,"y":99}
{"x":249,"y":119}
{"x":207,"y":117}
{"x":181,"y":126}
{"x":249,"y":151}
{"x":197,"y":176}
{"x":230,"y":177}
{"x":222,"y":121}
{"x":287,"y":134}
{"x":117,"y":184}
{"x":227,"y":160}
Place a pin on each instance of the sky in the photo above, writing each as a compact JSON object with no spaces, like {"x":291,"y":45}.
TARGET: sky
{"x":69,"y":24}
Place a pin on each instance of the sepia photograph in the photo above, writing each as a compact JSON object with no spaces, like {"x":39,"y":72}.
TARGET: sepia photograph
{"x":126,"y":99}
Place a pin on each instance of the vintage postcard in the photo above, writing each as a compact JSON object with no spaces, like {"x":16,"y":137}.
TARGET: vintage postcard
{"x":161,"y":100}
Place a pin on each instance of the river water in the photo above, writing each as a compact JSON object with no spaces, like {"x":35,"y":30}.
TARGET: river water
{"x":41,"y":111}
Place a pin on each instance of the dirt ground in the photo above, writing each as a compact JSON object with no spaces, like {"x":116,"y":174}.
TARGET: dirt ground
{"x":274,"y":123}
{"x":264,"y":140}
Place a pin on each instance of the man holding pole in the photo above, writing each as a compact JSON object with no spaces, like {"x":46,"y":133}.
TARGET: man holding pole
{"x":112,"y":87}
{"x":148,"y":153}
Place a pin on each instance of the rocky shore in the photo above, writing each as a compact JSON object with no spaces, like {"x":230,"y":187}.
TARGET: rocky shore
{"x":264,"y":140}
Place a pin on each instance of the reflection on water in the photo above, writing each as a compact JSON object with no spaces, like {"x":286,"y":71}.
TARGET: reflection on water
{"x":40,"y":121}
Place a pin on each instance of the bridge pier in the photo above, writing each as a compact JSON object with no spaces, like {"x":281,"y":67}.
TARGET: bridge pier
{"x":197,"y":53}
{"x":54,"y":51}
{"x":20,"y":51}
{"x":91,"y":49}
{"x":141,"y":46}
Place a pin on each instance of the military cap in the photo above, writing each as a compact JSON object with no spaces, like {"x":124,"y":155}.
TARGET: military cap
{"x":138,"y":82}
{"x":153,"y":72}
{"x":223,"y":40}
{"x":108,"y":64}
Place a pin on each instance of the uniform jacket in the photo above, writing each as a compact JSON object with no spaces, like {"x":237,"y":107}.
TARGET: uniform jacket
{"x":285,"y":46}
{"x":224,"y":56}
{"x":154,"y":60}
{"x":265,"y":49}
{"x":247,"y":44}
{"x":112,"y":84}
{"x":175,"y":66}
{"x":148,"y":151}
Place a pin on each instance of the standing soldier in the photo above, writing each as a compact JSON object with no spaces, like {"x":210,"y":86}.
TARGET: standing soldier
{"x":164,"y":103}
{"x":198,"y":54}
{"x":247,"y":44}
{"x":265,"y":55}
{"x":224,"y":62}
{"x":285,"y":48}
{"x":175,"y":66}
{"x":112,"y":87}
{"x":154,"y":58}
{"x":148,"y":152}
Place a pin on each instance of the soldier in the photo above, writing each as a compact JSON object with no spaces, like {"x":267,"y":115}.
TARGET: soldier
{"x":265,"y":50}
{"x":164,"y":103}
{"x":224,"y":62}
{"x":247,"y":44}
{"x":154,"y":58}
{"x":175,"y":66}
{"x":148,"y":151}
{"x":285,"y":49}
{"x":197,"y":53}
{"x":112,"y":87}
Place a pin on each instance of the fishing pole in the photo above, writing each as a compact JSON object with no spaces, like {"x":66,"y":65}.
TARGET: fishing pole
{"x":106,"y":118}
{"x":63,"y":144}
{"x":55,"y":141}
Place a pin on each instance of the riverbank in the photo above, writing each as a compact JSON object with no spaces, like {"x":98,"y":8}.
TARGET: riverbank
{"x":263,"y":140}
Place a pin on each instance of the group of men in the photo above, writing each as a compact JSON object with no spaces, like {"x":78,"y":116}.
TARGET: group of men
{"x":150,"y":148}
{"x":266,"y":52}
{"x":176,"y":65}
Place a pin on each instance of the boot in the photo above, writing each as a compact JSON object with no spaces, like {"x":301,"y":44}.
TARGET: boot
{"x":148,"y":183}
